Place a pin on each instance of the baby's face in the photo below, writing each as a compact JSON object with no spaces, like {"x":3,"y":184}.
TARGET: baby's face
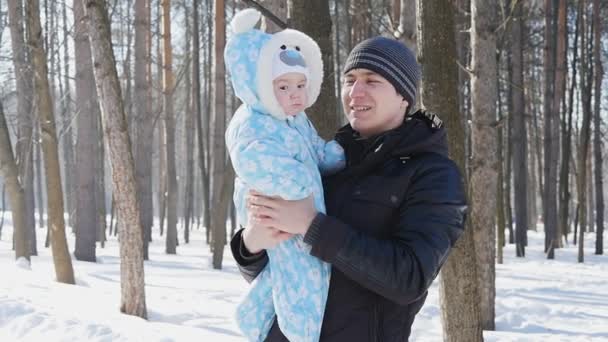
{"x":290,"y":91}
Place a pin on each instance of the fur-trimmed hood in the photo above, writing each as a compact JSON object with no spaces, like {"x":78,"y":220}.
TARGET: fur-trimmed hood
{"x":249,"y":57}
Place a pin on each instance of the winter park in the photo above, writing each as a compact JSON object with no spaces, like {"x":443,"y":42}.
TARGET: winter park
{"x":303,"y":170}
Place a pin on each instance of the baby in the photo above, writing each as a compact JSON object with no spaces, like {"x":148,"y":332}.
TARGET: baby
{"x":276,"y":151}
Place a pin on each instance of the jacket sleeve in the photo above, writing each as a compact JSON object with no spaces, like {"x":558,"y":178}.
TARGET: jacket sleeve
{"x":267,"y":166}
{"x":329,"y":153}
{"x":250,"y":265}
{"x":402,"y":266}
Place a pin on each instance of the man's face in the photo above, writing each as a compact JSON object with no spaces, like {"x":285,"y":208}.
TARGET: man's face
{"x":290,"y":91}
{"x":371,"y":103}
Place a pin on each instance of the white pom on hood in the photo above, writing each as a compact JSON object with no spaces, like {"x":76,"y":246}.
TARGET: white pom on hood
{"x":245,"y":20}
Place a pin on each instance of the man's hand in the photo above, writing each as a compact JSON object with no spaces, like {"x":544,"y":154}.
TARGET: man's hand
{"x":257,"y":237}
{"x":287,"y":216}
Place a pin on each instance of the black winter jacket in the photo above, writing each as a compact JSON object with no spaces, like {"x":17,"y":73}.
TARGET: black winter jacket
{"x":393,"y":214}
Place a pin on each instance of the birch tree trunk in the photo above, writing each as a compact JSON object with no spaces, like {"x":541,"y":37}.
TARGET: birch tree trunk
{"x":87,"y":108}
{"x":458,"y":288}
{"x":123,"y":171}
{"x":10,"y":174}
{"x":484,"y":163}
{"x":61,"y":255}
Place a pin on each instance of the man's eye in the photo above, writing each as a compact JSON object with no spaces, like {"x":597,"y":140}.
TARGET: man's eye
{"x":349,"y":82}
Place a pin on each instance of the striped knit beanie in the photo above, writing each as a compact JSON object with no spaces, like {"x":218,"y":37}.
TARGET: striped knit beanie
{"x":392,"y":60}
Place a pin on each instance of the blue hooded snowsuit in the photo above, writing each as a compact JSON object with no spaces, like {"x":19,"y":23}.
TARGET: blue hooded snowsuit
{"x":278,"y":155}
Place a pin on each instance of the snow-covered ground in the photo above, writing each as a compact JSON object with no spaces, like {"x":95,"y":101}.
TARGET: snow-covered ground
{"x":537,"y":299}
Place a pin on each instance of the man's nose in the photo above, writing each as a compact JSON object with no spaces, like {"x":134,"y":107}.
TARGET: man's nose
{"x":357,"y":89}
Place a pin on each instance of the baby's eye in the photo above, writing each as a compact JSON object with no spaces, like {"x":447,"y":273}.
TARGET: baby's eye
{"x":283,"y":87}
{"x":300,"y":86}
{"x":297,"y":48}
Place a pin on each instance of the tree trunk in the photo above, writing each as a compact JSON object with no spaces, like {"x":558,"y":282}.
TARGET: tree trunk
{"x":123,"y":170}
{"x":189,"y":129}
{"x":100,"y":187}
{"x":218,"y":166}
{"x":597,"y":135}
{"x":500,"y":199}
{"x":519,"y":143}
{"x":407,"y":24}
{"x":361,"y":21}
{"x":168,"y":87}
{"x":312,"y":17}
{"x":278,"y":8}
{"x":23,"y":80}
{"x":10,"y":174}
{"x":40,"y":191}
{"x":560,"y":88}
{"x":586,"y":82}
{"x":550,"y":205}
{"x":566,"y":134}
{"x":88,"y":113}
{"x":196,"y":109}
{"x":61,"y":254}
{"x":144,"y":119}
{"x":484,"y":163}
{"x":459,"y":293}
{"x":68,"y":140}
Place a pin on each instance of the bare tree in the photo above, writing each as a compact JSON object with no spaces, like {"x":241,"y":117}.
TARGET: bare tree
{"x":61,"y":255}
{"x":189,"y":130}
{"x":597,"y":143}
{"x":407,"y":23}
{"x":66,"y":115}
{"x":318,"y":26}
{"x":23,"y":80}
{"x":585,"y":132}
{"x":218,"y":165}
{"x":519,"y":134}
{"x":143,"y":129}
{"x":551,"y":136}
{"x":484,"y":164}
{"x":10,"y":173}
{"x":276,"y":7}
{"x":87,"y":108}
{"x":459,"y":293}
{"x":123,"y":171}
{"x":168,"y":87}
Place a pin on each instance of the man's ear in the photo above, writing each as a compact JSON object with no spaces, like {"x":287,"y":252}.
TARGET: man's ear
{"x":404,"y":103}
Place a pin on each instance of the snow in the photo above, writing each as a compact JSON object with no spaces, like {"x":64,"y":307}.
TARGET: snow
{"x":187,"y":300}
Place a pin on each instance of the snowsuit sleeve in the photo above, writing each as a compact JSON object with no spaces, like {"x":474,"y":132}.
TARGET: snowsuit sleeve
{"x":262,"y":162}
{"x":329,"y":153}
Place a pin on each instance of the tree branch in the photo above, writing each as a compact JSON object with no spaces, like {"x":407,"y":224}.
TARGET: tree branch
{"x":267,"y":13}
